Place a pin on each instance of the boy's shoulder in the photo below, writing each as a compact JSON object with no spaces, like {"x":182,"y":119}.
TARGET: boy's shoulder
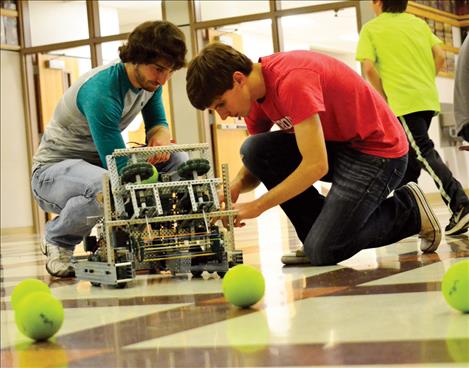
{"x":106,"y":80}
{"x":110,"y":74}
{"x":387,"y":19}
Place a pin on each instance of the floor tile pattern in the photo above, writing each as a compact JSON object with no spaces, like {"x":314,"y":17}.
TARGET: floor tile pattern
{"x":383,"y":307}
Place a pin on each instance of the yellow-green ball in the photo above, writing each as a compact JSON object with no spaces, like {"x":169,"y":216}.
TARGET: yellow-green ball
{"x":243,"y":286}
{"x":27,"y":287}
{"x":455,"y":286}
{"x":39,"y":316}
{"x":152,"y":179}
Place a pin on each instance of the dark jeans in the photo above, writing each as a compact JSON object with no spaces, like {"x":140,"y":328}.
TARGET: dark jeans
{"x":422,"y":155}
{"x":355,"y":215}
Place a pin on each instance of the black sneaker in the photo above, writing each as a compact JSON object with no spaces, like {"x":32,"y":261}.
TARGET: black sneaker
{"x":459,"y":222}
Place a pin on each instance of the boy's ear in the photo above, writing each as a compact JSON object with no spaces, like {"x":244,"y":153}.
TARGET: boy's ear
{"x":239,"y":77}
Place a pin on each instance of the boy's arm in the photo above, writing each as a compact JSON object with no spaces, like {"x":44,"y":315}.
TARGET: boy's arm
{"x":102,"y":111}
{"x":156,"y":126}
{"x":372,"y":75}
{"x":158,"y":136}
{"x":313,"y":166}
{"x":242,"y":183}
{"x":438,"y":57}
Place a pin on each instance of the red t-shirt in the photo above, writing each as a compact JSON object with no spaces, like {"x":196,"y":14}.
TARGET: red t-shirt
{"x":300,"y":84}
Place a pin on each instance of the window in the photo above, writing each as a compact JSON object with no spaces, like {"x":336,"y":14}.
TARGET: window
{"x":251,"y":38}
{"x":209,"y":9}
{"x":57,"y":21}
{"x":332,"y":32}
{"x":117,"y":17}
{"x":289,"y":4}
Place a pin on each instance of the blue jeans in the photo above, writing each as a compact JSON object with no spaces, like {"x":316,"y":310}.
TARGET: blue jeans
{"x":356,"y":214}
{"x":69,"y":188}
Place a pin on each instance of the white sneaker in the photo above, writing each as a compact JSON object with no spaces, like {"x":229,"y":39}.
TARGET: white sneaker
{"x":59,"y":261}
{"x":297,"y":257}
{"x":430,"y":229}
{"x":43,"y":247}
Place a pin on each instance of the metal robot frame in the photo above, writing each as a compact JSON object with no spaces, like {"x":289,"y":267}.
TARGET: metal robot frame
{"x":162,"y":226}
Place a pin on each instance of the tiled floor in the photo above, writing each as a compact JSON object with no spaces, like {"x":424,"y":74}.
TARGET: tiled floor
{"x":382,"y":307}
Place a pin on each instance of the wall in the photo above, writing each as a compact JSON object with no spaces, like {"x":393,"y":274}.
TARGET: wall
{"x":16,"y":207}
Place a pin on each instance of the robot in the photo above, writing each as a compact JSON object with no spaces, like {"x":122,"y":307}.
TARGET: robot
{"x":167,"y":225}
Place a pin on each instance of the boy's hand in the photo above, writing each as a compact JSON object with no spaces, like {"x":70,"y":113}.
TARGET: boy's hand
{"x":156,"y":141}
{"x":247,"y":210}
{"x":221,"y":199}
{"x":234,"y":197}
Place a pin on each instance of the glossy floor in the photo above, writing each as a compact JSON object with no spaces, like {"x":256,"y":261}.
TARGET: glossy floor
{"x":382,"y":307}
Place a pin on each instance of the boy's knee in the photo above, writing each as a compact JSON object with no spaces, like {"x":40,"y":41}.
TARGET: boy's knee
{"x":175,"y":160}
{"x":95,"y":186}
{"x":250,"y":152}
{"x":179,"y":158}
{"x":319,"y":254}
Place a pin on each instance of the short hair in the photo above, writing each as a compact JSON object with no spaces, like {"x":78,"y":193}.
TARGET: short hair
{"x":155,"y":40}
{"x":210,"y":74}
{"x":394,"y":6}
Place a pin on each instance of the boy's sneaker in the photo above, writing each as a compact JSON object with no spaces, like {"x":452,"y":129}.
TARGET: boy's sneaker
{"x":59,"y":261}
{"x":43,"y":246}
{"x":296,"y":257}
{"x":459,"y":222}
{"x":430,"y":229}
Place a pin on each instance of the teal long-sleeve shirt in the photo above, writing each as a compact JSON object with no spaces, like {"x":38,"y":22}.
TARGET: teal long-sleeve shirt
{"x":89,"y":118}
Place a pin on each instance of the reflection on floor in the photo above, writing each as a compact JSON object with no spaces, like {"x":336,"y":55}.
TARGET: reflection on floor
{"x":382,"y":307}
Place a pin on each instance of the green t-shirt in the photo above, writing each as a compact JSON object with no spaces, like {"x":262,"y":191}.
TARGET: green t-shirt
{"x":400,"y":46}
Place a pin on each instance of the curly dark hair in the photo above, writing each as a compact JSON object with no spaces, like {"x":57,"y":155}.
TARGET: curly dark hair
{"x":155,"y":40}
{"x":210,"y":74}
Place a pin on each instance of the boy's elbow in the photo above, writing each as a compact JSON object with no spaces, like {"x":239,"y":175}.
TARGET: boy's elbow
{"x":368,"y":67}
{"x":318,"y":170}
{"x":440,"y":63}
{"x":439,"y":57}
{"x":323,"y":169}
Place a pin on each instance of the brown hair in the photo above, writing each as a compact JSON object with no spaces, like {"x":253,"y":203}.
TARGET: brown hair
{"x":210,"y":74}
{"x":155,"y":40}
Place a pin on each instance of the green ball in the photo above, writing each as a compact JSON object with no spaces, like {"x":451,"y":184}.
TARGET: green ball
{"x":27,"y":287}
{"x":152,"y":179}
{"x":243,"y":286}
{"x":455,"y":286}
{"x":39,"y":316}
